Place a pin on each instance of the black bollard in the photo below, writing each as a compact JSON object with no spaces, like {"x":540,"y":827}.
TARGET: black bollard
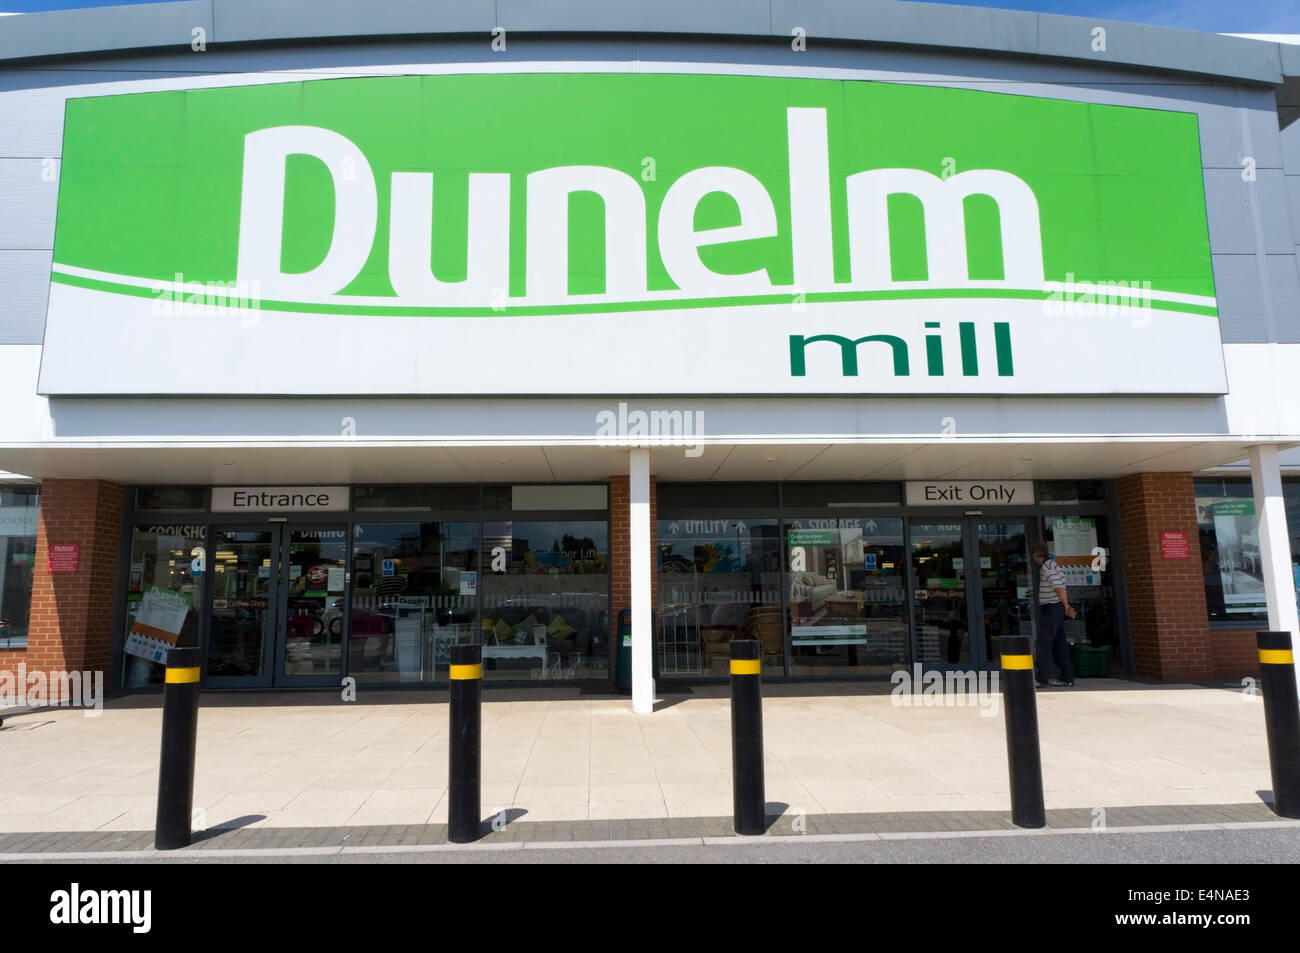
{"x":463,"y":786}
{"x":749,"y":805}
{"x":1021,"y":715}
{"x":180,"y":728}
{"x":1281,"y":719}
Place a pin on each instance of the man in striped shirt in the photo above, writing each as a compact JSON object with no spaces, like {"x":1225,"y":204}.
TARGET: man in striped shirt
{"x":1053,"y":609}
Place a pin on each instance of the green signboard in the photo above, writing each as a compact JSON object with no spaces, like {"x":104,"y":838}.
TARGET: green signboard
{"x":809,"y":227}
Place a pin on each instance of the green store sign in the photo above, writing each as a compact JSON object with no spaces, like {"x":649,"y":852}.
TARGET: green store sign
{"x":950,"y":217}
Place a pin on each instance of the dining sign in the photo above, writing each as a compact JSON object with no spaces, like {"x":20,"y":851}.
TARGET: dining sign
{"x":468,"y":234}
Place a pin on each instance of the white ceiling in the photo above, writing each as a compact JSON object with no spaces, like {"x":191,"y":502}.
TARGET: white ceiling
{"x":369,"y":463}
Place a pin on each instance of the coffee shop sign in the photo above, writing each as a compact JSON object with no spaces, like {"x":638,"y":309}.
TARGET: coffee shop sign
{"x":967,"y":492}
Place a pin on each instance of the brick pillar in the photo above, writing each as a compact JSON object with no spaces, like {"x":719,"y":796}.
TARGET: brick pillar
{"x":620,"y":560}
{"x":71,"y":626}
{"x":1166,"y":597}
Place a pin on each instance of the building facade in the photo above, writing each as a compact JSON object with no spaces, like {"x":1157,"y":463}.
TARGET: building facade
{"x":330,"y":339}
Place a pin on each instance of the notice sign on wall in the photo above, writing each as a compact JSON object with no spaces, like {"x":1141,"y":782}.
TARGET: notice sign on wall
{"x":1173,"y":545}
{"x":63,"y":557}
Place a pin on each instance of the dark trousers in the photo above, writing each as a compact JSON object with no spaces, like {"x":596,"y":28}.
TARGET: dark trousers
{"x":1051,"y":643}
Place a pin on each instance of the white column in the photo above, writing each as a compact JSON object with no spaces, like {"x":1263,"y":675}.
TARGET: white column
{"x":638,"y":536}
{"x":1274,"y":542}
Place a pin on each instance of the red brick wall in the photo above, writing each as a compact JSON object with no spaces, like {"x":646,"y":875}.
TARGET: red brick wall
{"x":1235,"y":652}
{"x":620,"y":562}
{"x":1166,"y":597}
{"x":71,"y":624}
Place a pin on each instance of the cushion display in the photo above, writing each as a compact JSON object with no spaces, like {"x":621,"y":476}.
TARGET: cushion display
{"x":504,"y":631}
{"x":559,"y":629}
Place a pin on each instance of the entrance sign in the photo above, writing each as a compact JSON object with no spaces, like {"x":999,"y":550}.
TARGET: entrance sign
{"x":970,"y":492}
{"x":790,"y":236}
{"x":275,"y":499}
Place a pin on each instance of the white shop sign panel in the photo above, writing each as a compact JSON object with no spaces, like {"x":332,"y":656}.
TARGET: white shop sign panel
{"x":280,"y":499}
{"x":970,"y":492}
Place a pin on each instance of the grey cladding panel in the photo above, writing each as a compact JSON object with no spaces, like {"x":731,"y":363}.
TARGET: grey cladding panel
{"x":27,"y":203}
{"x":238,"y":21}
{"x":1226,"y":139}
{"x":959,"y":26}
{"x":737,"y":17}
{"x":1228,"y":204}
{"x":1284,"y":283}
{"x":30,"y":129}
{"x":1207,"y":53}
{"x":1293,"y":203}
{"x":24,"y":290}
{"x":1242,"y":317}
{"x":107,"y":28}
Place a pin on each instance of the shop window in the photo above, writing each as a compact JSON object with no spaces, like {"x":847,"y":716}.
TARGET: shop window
{"x":1081,"y":546}
{"x":164,"y":592}
{"x":414,"y":595}
{"x":545,"y":600}
{"x":18,"y":512}
{"x":1230,"y":555}
{"x":847,"y":596}
{"x":719,"y":579}
{"x":1230,"y":558}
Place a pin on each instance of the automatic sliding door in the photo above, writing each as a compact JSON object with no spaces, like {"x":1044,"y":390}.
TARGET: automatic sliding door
{"x":242,"y":621}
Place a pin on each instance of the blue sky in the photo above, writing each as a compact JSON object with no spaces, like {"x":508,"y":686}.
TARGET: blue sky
{"x":1215,"y":16}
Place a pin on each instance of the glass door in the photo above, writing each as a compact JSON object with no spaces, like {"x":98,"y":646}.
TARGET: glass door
{"x":244,"y":606}
{"x":276,"y":615}
{"x":1006,"y":599}
{"x":939,"y":593}
{"x":310,"y":630}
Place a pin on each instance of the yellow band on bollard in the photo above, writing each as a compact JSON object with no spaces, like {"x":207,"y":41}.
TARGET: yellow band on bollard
{"x":1017,"y":662}
{"x":182,"y":676}
{"x":461,"y":673}
{"x":741,"y":666}
{"x":1276,"y":657}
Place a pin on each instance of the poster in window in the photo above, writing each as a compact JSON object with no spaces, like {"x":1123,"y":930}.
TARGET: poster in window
{"x":1236,"y":537}
{"x":157,"y":624}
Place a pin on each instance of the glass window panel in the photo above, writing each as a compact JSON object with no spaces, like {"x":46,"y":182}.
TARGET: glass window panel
{"x":19,"y":507}
{"x":1230,"y":558}
{"x":1070,"y":491}
{"x":693,"y":497}
{"x":545,"y":600}
{"x":414,"y":595}
{"x":177,"y":498}
{"x":170,"y":557}
{"x":847,"y":602}
{"x":1081,"y":546}
{"x":939,"y":571}
{"x":719,"y":579}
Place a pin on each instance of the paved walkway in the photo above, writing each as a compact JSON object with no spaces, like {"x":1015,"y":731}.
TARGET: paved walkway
{"x":555,"y":761}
